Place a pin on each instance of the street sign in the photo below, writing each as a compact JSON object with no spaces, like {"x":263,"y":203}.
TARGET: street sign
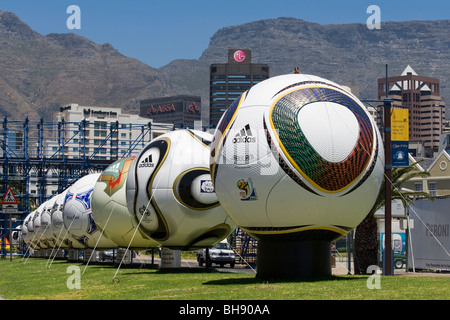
{"x":399,"y":124}
{"x":9,"y":197}
{"x":399,"y":137}
{"x":9,"y":208}
{"x":400,"y":154}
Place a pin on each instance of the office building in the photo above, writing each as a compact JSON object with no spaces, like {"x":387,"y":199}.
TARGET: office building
{"x":99,"y":134}
{"x":421,"y":95}
{"x":181,"y":110}
{"x":229,"y":80}
{"x":101,"y":139}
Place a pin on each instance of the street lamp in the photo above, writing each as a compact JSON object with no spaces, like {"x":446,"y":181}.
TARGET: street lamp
{"x":387,"y":105}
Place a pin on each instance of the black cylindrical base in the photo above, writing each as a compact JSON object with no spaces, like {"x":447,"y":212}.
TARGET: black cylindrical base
{"x":293,"y":260}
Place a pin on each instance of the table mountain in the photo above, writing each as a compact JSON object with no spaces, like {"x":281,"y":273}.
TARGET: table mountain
{"x":349,"y":54}
{"x":41,"y":73}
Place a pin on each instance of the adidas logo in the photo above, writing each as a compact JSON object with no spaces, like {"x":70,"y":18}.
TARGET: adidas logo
{"x":244,"y":136}
{"x":147,"y":162}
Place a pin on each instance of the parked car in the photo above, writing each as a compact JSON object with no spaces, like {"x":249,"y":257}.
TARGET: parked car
{"x":106,"y":255}
{"x":220,"y":254}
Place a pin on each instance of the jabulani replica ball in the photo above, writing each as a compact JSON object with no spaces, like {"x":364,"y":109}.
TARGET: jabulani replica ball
{"x":169,"y":191}
{"x":28,"y":230}
{"x":109,"y":208}
{"x":60,"y":233}
{"x":46,"y":223}
{"x":37,"y":227}
{"x":297,"y":158}
{"x":77,"y":215}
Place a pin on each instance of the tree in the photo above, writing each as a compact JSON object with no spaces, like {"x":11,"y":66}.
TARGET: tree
{"x":366,"y":244}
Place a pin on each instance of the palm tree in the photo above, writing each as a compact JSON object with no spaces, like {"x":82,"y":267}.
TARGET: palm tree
{"x":366,"y":244}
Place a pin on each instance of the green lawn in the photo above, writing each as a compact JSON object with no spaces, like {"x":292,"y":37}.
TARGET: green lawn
{"x":32,"y":279}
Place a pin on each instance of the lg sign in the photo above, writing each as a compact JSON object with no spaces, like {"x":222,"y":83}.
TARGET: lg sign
{"x":239,"y":56}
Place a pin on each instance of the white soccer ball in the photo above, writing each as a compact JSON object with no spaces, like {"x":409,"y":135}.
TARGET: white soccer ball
{"x":28,"y":229}
{"x":16,"y":236}
{"x":77,"y":216}
{"x":46,"y":223}
{"x":62,"y":236}
{"x":297,"y":157}
{"x":37,"y":240}
{"x":24,"y":229}
{"x":109,"y":208}
{"x":170,"y":193}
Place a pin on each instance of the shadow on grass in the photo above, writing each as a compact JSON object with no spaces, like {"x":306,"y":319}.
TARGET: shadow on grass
{"x":133,"y":266}
{"x":186,"y":270}
{"x":256,"y":280}
{"x":158,"y":271}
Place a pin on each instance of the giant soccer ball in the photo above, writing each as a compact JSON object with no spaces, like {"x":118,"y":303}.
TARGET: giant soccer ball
{"x":24,"y":230}
{"x":297,"y":157}
{"x":77,"y":216}
{"x":38,"y":236}
{"x":109,"y":208}
{"x":46,"y":223}
{"x":61,"y":235}
{"x":169,"y":191}
{"x":28,"y":230}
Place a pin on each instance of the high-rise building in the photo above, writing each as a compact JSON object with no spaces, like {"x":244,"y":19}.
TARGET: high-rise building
{"x":94,"y":132}
{"x":421,"y":95}
{"x":229,"y":80}
{"x":181,"y":110}
{"x":98,"y":133}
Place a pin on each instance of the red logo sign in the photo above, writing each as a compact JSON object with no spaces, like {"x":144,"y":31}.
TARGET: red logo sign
{"x":239,"y":56}
{"x":161,"y":109}
{"x":193,"y":107}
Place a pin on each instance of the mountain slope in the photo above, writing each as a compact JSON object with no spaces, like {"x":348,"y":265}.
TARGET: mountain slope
{"x":348,"y":54}
{"x":41,"y":73}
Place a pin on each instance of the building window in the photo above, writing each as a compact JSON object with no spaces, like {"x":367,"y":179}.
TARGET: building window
{"x":231,"y":76}
{"x":432,"y":188}
{"x":419,"y":186}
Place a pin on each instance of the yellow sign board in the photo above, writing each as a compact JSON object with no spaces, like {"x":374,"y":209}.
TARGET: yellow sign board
{"x":399,"y":124}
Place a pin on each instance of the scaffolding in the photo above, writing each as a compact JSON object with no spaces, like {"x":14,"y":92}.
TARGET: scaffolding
{"x":245,"y":246}
{"x":42,"y":158}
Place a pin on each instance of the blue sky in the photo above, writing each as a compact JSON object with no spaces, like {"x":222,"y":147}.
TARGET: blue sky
{"x":157,"y":32}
